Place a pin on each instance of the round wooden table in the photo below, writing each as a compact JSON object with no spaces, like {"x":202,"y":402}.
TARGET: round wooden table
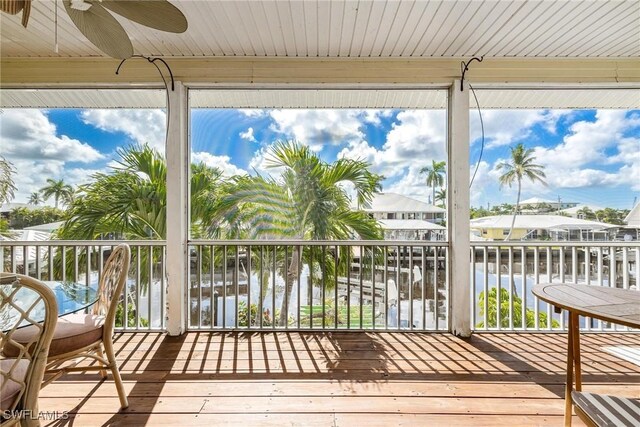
{"x":620,"y":306}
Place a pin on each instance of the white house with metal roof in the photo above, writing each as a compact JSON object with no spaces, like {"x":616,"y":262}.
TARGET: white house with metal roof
{"x":406,"y":218}
{"x":554,"y":227}
{"x":535,"y":203}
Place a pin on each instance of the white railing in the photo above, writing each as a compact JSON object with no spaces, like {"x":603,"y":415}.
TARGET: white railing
{"x":334,"y":285}
{"x":143,"y":301}
{"x":338,"y":285}
{"x":507,"y":271}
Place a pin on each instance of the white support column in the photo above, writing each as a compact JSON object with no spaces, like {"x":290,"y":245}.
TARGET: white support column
{"x":458,"y":211}
{"x":177,"y":209}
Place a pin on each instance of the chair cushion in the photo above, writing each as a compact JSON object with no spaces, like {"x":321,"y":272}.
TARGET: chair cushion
{"x":73,"y":332}
{"x":608,"y":411}
{"x":9,"y":388}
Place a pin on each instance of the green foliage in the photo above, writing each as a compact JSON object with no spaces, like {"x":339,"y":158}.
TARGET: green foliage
{"x":435,"y":176}
{"x":20,"y":218}
{"x":131,"y":317}
{"x":267,"y":318}
{"x":130,"y":200}
{"x":504,"y":311}
{"x":519,"y":167}
{"x":612,"y":216}
{"x":58,"y":190}
{"x":7,"y":186}
{"x":346,"y":317}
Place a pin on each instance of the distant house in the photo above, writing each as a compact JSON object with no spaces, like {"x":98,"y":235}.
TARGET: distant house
{"x":412,"y":229}
{"x":531,"y":227}
{"x":6,"y":208}
{"x":574,"y":212}
{"x":406,"y":218}
{"x":397,"y":206}
{"x":631,"y":231}
{"x":535,"y":204}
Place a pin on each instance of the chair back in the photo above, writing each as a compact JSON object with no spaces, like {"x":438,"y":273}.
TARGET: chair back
{"x":24,"y":301}
{"x":112,"y":282}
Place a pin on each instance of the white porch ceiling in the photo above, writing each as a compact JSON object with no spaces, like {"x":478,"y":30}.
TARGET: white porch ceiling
{"x":355,"y":29}
{"x":304,"y":98}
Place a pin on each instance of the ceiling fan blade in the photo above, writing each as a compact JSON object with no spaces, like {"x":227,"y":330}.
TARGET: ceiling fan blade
{"x":102,"y":29}
{"x":158,"y":14}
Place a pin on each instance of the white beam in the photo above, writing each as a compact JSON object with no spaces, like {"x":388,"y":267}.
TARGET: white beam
{"x":458,"y":211}
{"x":177,"y":153}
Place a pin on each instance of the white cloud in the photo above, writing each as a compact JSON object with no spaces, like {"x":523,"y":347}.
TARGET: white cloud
{"x":574,"y":162}
{"x":412,"y":184}
{"x":248,"y":135}
{"x":317,"y":128}
{"x":142,"y":126}
{"x":416,"y":138}
{"x":505,"y":127}
{"x":28,"y":134}
{"x":31,"y":143}
{"x":39,"y":172}
{"x":252,"y":112}
{"x":221,"y":162}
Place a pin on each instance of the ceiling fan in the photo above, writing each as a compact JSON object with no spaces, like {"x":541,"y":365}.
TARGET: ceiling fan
{"x":93,"y":19}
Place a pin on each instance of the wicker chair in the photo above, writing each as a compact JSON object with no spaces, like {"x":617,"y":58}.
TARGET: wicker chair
{"x":83,"y":336}
{"x":23,"y":301}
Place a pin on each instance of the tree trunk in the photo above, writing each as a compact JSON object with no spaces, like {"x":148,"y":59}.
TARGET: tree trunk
{"x":291,"y":277}
{"x":515,"y":211}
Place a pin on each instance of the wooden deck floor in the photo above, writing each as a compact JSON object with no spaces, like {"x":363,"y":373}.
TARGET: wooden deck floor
{"x":341,"y":379}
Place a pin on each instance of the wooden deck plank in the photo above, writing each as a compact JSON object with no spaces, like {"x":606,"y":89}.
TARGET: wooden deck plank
{"x":341,"y":379}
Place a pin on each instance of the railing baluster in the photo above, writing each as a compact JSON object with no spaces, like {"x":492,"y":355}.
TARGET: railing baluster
{"x":139,"y":288}
{"x":224,"y":286}
{"x":274,"y":318}
{"x":436,"y":302}
{"x":523,"y":275}
{"x":410,"y":287}
{"x":498,"y":289}
{"x":163,"y":288}
{"x":299,"y":272}
{"x":150,"y":290}
{"x":349,"y":253}
{"x":262,"y":291}
{"x":324,"y":286}
{"x":512,"y":287}
{"x":361,"y":274}
{"x":485,"y":267}
{"x":236,"y":282}
{"x":249,"y":273}
{"x":385,"y":278}
{"x":398,"y":288}
{"x":536,"y":279}
{"x":423,"y":291}
{"x":335,"y":285}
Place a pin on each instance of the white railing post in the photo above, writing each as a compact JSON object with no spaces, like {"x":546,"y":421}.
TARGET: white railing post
{"x":177,"y":153}
{"x":458,"y":210}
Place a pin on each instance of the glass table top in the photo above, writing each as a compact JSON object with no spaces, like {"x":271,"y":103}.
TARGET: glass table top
{"x":71,"y":297}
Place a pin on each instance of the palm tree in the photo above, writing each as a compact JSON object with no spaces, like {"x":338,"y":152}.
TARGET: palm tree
{"x":130,"y":201}
{"x":307,"y":202}
{"x":441,"y":196}
{"x":7,"y":186}
{"x":58,"y":189}
{"x":34,"y":199}
{"x":435,"y":176}
{"x":520,"y":166}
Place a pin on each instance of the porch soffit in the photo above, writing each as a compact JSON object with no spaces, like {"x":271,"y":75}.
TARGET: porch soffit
{"x":356,"y":29}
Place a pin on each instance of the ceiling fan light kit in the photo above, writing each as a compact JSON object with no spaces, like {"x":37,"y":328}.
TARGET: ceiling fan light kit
{"x":102,"y":29}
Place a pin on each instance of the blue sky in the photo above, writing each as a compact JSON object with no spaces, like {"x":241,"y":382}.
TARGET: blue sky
{"x":590,"y":157}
